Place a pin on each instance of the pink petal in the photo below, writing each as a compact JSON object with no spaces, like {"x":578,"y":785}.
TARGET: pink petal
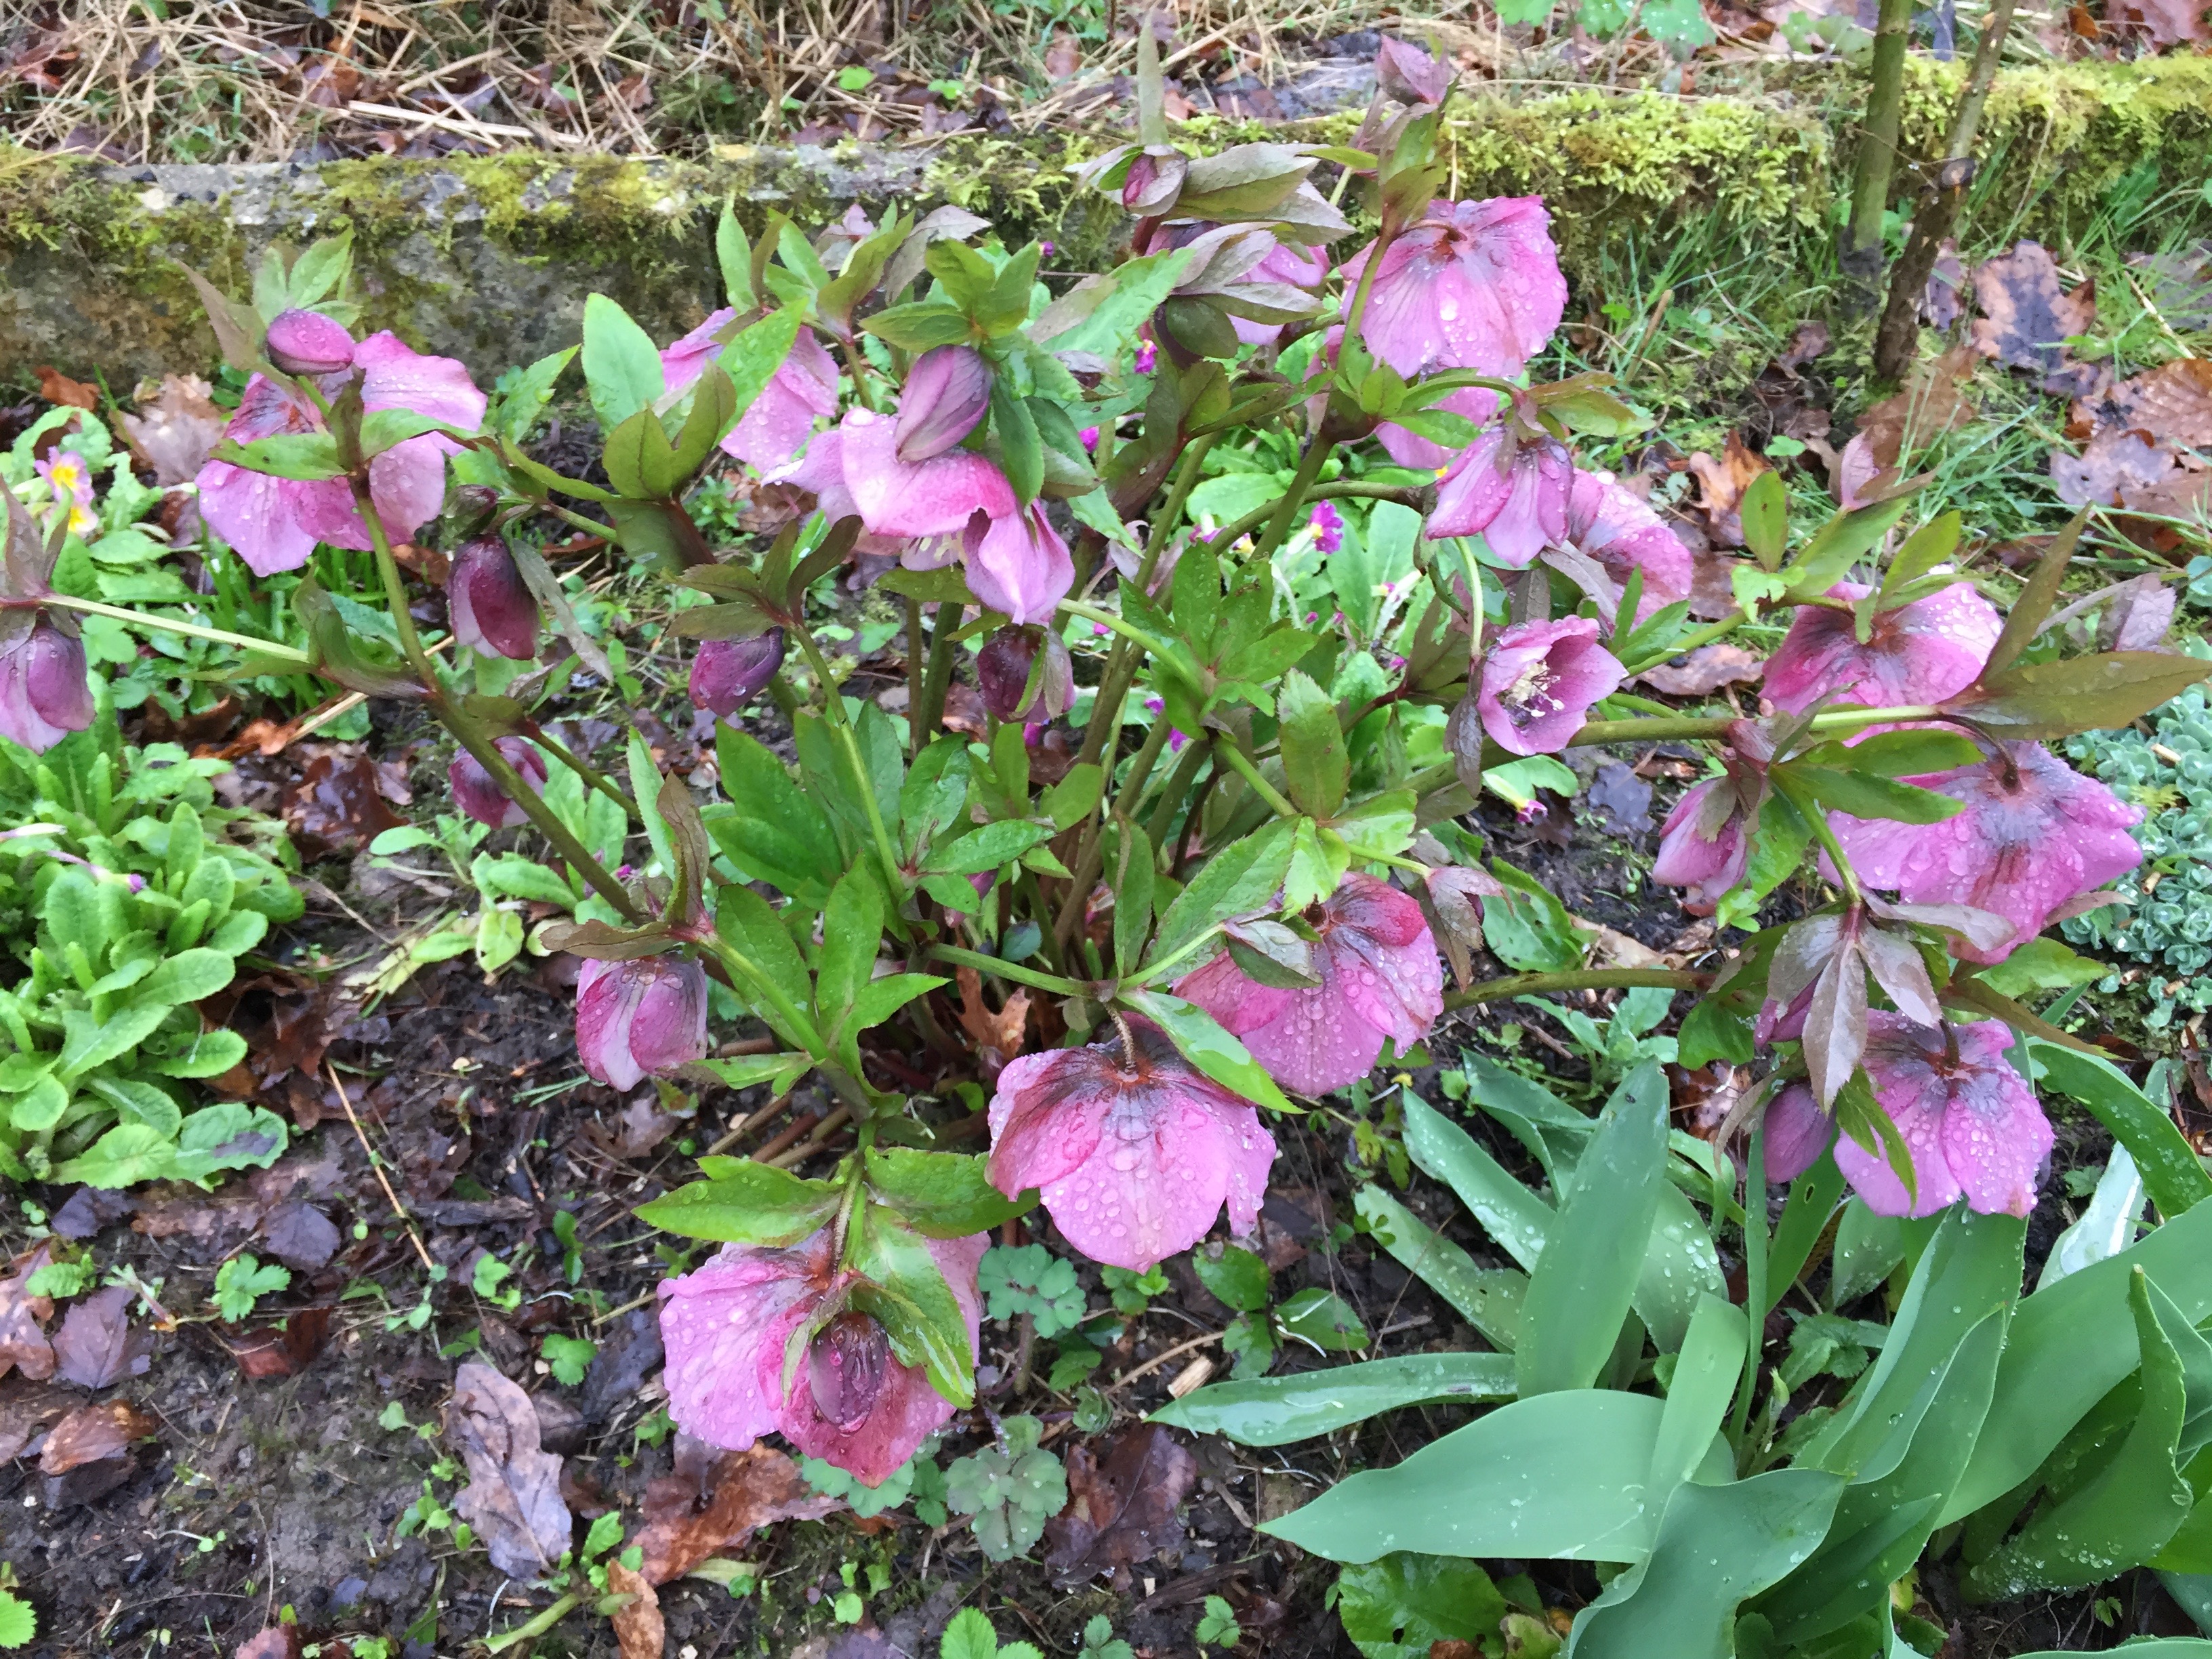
{"x":254,"y":512}
{"x":1872,"y":1180}
{"x":935,"y":497}
{"x":394,"y":375}
{"x":685,"y":360}
{"x":1995,"y":1137}
{"x":1317,"y":1044}
{"x":1238,"y":1003}
{"x":1017,"y":564}
{"x":725,"y":1325}
{"x":1923,"y":653}
{"x":408,"y":484}
{"x":1797,"y":1133}
{"x":1038,"y":1140}
{"x":1477,"y":403}
{"x":1619,"y":529}
{"x":769,"y":432}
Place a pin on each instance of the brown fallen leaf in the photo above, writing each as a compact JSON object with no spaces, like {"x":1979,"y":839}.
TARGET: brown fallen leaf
{"x":26,"y":1407}
{"x":2173,"y":403}
{"x":1721,"y":480}
{"x":2179,"y":284}
{"x":1705,"y":670}
{"x":2186,"y":495}
{"x":513,"y":1495}
{"x":338,"y":804}
{"x":58,"y":389}
{"x":639,"y":1630}
{"x":285,"y":1349}
{"x":1811,"y":340}
{"x":1063,"y":57}
{"x":715,"y":1500}
{"x":1933,"y":402}
{"x":24,"y":1345}
{"x":174,"y":430}
{"x":93,"y":1434}
{"x":278,"y":1642}
{"x":2138,"y":615}
{"x":1121,"y":1511}
{"x":2114,"y":461}
{"x":2165,"y":22}
{"x":2027,"y":317}
{"x":95,"y":1347}
{"x":1945,"y":297}
{"x":999,"y":1033}
{"x":300,"y":1236}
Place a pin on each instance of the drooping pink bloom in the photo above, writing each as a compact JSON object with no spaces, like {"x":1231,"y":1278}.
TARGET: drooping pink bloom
{"x":1135,"y":1152}
{"x":728,"y":1326}
{"x":1618,"y":528}
{"x":1514,"y":497}
{"x":935,"y":497}
{"x":1539,"y":680}
{"x":494,"y":612}
{"x":1797,"y":1133}
{"x":1703,"y":846}
{"x":1004,"y":664}
{"x":44,"y":692}
{"x":728,"y":674}
{"x":2034,"y":834}
{"x":1327,"y":526}
{"x":1970,"y":1122}
{"x":769,"y":432}
{"x":1305,"y":268}
{"x":1380,"y":977}
{"x":944,"y":400}
{"x":1018,"y":564}
{"x":1089,"y":437}
{"x":1477,"y":404}
{"x":274,"y":523}
{"x":1474,"y":285}
{"x":1921,"y":653}
{"x":482,"y":799}
{"x":639,"y":1017}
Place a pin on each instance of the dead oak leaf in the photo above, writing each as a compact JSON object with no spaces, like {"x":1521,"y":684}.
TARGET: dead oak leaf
{"x":999,"y":1032}
{"x":57,"y":388}
{"x":95,"y":1347}
{"x":691,"y":1516}
{"x":639,"y":1631}
{"x":1932,"y":402}
{"x":2173,"y":403}
{"x":93,"y":1434}
{"x":513,"y":1495}
{"x":1121,"y":1511}
{"x":1721,"y":480}
{"x":2027,"y":316}
{"x":2114,"y":463}
{"x":2166,"y":22}
{"x":1705,"y":670}
{"x":175,"y":430}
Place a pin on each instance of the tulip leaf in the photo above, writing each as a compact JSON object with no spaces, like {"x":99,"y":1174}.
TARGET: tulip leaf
{"x":1275,"y":1410}
{"x":742,"y":1202}
{"x":1202,"y":1042}
{"x":1516,"y":1218}
{"x":1490,"y":1298}
{"x":941,"y":1194}
{"x":2172,"y":1174}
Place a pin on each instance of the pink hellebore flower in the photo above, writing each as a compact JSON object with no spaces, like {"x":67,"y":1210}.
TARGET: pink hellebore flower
{"x":494,"y":612}
{"x":1703,"y":846}
{"x":1474,"y":285}
{"x":1292,"y":266}
{"x":1410,"y":75}
{"x":482,"y":799}
{"x":44,"y":693}
{"x":2034,"y":834}
{"x":1797,"y":1133}
{"x":1514,"y":497}
{"x":728,"y":674}
{"x":1135,"y":1151}
{"x":274,"y":523}
{"x":769,"y":432}
{"x":1018,"y":564}
{"x":634,"y":1018}
{"x":1004,"y":664}
{"x":1921,"y":653}
{"x":1618,"y":528}
{"x":1477,"y":404}
{"x":309,"y":343}
{"x":945,"y":398}
{"x":728,"y":1326}
{"x":1969,"y":1119}
{"x":1539,"y":681}
{"x":1380,"y":977}
{"x":855,"y":469}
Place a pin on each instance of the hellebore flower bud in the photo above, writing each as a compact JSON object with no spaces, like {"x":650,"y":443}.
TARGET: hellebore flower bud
{"x":946,"y":396}
{"x":728,"y":674}
{"x":471,"y":507}
{"x":494,"y":612}
{"x":847,"y":1366}
{"x":634,"y":1018}
{"x":1152,"y":183}
{"x":44,"y":693}
{"x":308,"y":342}
{"x":476,"y":794}
{"x":1410,"y":75}
{"x":1004,"y":664}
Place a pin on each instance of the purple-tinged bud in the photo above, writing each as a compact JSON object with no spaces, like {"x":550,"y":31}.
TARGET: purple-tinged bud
{"x":308,"y":342}
{"x":641,"y":1016}
{"x":494,"y":612}
{"x":471,"y":507}
{"x":1152,"y":183}
{"x":728,"y":674}
{"x":1004,"y":664}
{"x":946,"y":396}
{"x":846,"y":1364}
{"x":44,"y":693}
{"x":1410,"y":75}
{"x":476,"y":794}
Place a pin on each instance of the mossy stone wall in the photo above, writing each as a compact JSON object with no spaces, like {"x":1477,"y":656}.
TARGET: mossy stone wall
{"x":489,"y":259}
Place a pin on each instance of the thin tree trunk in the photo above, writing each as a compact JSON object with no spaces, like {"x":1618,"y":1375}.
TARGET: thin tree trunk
{"x":1899,"y":333}
{"x":1877,"y":156}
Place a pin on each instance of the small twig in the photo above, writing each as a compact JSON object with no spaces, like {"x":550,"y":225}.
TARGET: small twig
{"x":748,"y":1126}
{"x":1158,"y":1360}
{"x":376,"y":1167}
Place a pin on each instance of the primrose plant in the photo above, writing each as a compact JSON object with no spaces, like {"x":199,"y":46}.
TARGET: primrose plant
{"x":1236,"y":888}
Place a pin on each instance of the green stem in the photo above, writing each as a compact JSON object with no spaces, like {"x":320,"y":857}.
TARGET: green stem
{"x":1310,"y":465}
{"x":917,"y":670}
{"x":534,"y":1626}
{"x":1579,"y":979}
{"x":166,"y":625}
{"x":1090,"y":858}
{"x":472,"y":735}
{"x":1342,"y":490}
{"x":584,"y":770}
{"x":1012,"y":970}
{"x":1702,"y":726}
{"x":1809,"y":809}
{"x":940,"y":677}
{"x":1178,"y":785}
{"x":1692,"y":641}
{"x":590,"y":527}
{"x":1244,"y":767}
{"x":833,"y":709}
{"x":1112,"y":619}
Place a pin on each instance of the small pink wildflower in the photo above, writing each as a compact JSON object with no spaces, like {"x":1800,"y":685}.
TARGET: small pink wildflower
{"x":1539,"y":681}
{"x":70,"y":477}
{"x":1970,"y":1122}
{"x":728,"y":1326}
{"x":1134,"y":1151}
{"x":1380,"y":977}
{"x":1921,"y":653}
{"x":1328,"y":527}
{"x":1147,"y":355}
{"x":2034,"y":834}
{"x":1089,"y":437}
